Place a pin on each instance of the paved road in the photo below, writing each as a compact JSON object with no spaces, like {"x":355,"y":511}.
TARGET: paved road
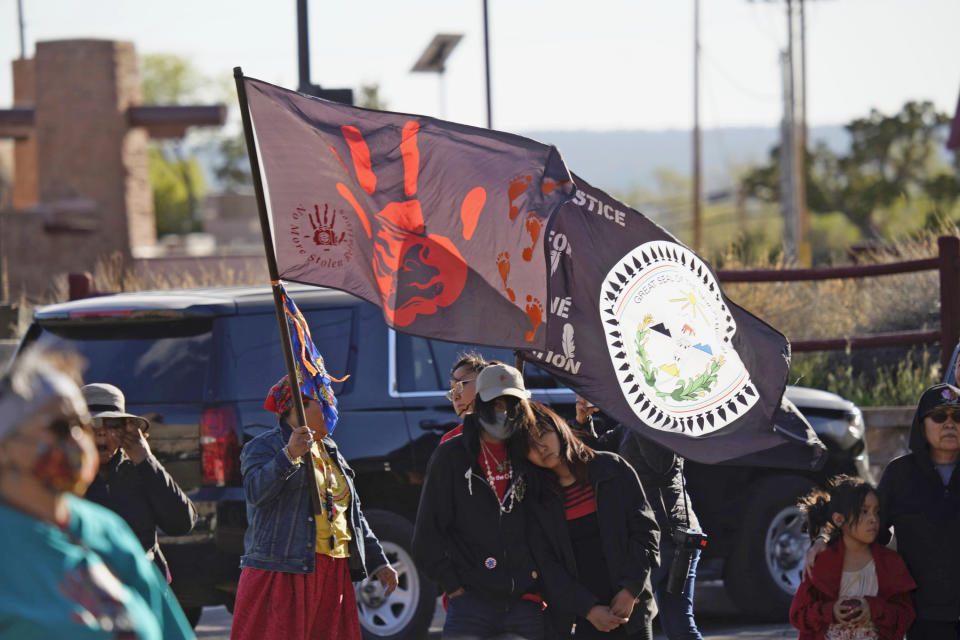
{"x":715,"y":618}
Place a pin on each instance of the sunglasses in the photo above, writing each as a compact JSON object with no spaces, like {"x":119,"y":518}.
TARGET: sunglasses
{"x":940,"y":416}
{"x":117,"y":424}
{"x":457,"y":388}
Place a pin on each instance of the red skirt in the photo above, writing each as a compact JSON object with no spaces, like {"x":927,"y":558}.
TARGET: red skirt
{"x":272,"y":605}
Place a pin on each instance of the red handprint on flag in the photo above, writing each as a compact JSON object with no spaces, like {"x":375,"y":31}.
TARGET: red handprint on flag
{"x":416,"y":272}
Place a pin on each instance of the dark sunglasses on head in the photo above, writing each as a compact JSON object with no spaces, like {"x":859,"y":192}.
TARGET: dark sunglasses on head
{"x":940,"y":415}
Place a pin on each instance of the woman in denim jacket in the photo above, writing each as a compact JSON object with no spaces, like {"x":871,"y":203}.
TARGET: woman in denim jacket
{"x":298,"y":570}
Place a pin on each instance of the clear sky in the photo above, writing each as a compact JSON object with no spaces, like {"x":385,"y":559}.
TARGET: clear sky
{"x":556,"y":64}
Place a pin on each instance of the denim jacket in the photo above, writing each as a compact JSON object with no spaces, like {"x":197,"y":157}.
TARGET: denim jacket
{"x":281,"y":533}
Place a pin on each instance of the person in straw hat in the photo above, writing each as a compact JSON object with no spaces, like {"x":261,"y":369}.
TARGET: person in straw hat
{"x":131,"y":482}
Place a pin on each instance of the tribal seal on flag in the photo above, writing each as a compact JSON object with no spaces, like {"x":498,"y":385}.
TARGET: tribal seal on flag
{"x":668,"y":332}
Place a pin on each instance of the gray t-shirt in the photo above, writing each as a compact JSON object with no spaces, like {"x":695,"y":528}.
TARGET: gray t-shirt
{"x":946,"y":470}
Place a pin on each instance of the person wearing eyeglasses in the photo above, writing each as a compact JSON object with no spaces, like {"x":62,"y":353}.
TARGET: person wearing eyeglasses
{"x":463,"y":388}
{"x":131,"y":482}
{"x":920,"y":497}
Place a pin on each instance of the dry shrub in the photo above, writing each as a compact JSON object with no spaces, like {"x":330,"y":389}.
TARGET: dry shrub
{"x":808,"y":310}
{"x":842,"y":308}
{"x":115,"y":272}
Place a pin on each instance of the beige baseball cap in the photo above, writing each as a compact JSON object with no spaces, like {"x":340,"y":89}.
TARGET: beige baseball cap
{"x":500,"y":380}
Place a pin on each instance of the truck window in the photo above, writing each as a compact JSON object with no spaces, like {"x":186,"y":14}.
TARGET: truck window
{"x":424,"y":365}
{"x":150,"y":362}
{"x":252,"y":360}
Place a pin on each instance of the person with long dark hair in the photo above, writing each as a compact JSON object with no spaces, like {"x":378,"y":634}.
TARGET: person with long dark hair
{"x":470,"y":535}
{"x":598,"y":535}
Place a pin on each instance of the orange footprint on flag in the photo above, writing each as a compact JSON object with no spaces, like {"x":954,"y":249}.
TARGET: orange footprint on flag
{"x":515,"y":189}
{"x":503,"y":266}
{"x":534,"y":310}
{"x":534,"y":226}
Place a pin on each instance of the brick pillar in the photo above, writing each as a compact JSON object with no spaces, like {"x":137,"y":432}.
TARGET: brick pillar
{"x":24,"y":149}
{"x":93,"y":194}
{"x":84,"y":144}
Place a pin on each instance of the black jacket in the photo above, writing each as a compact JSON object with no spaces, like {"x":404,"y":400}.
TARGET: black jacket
{"x":661,"y":475}
{"x":925,"y":515}
{"x":461,"y":539}
{"x":629,"y":539}
{"x":146,"y":497}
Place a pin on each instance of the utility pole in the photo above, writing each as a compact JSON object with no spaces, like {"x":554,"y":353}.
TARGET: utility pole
{"x":697,"y":212}
{"x":792,"y":150}
{"x":787,"y":173}
{"x":804,"y":248}
{"x":23,"y":40}
{"x":486,"y":62}
{"x":303,"y":47}
{"x":344,"y":96}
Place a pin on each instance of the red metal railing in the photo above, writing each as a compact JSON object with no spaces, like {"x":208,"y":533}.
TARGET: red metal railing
{"x":947,"y":263}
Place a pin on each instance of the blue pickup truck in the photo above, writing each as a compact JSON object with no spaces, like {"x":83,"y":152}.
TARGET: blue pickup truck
{"x":198,"y":363}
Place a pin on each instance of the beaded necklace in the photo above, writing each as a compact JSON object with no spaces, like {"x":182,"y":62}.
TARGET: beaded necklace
{"x":515,"y":491}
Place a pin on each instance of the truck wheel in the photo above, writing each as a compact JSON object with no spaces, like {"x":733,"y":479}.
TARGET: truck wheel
{"x":407,"y":613}
{"x":763,"y":572}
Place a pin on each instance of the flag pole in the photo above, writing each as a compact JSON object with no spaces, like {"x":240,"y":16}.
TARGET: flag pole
{"x":285,"y":339}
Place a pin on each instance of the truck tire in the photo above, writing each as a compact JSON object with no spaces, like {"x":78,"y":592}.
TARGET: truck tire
{"x":763,"y":572}
{"x":407,"y":613}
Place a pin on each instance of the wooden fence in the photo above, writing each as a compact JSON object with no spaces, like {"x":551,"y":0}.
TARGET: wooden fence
{"x":947,"y":263}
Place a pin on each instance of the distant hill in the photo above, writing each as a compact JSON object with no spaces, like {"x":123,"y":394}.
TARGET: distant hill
{"x":627,"y":159}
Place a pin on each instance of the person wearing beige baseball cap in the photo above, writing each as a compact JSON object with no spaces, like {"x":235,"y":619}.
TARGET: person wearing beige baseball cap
{"x":470,"y":535}
{"x":131,"y":482}
{"x":71,"y":569}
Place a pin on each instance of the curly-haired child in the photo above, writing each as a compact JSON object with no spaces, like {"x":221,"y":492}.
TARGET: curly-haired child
{"x":858,"y":589}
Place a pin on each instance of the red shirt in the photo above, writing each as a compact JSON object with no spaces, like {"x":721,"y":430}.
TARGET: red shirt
{"x":490,"y":456}
{"x":579,"y":500}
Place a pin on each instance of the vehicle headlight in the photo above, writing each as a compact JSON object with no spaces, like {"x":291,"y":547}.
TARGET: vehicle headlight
{"x":855,"y":426}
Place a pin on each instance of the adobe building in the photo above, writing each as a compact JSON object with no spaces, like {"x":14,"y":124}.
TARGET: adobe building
{"x":81,"y":186}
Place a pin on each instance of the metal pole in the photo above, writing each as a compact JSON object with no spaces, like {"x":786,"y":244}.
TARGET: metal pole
{"x":441,"y":77}
{"x":697,"y":213}
{"x":949,"y":254}
{"x":272,"y":268}
{"x":303,"y":45}
{"x":802,"y":144}
{"x":486,"y":61}
{"x":23,"y":40}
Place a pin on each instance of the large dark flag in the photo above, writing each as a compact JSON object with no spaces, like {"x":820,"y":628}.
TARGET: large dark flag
{"x":638,"y":324}
{"x":439,"y":224}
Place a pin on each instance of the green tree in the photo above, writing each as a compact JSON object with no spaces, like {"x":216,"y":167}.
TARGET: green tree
{"x":175,"y":175}
{"x":172,"y":200}
{"x":233,"y":166}
{"x":370,"y":97}
{"x":890,"y":158}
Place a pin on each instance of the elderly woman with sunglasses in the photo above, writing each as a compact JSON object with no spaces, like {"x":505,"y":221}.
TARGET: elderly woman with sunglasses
{"x":71,"y":569}
{"x":920,"y":497}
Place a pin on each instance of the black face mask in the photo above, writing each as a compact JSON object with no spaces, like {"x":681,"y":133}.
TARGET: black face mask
{"x":502,"y":426}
